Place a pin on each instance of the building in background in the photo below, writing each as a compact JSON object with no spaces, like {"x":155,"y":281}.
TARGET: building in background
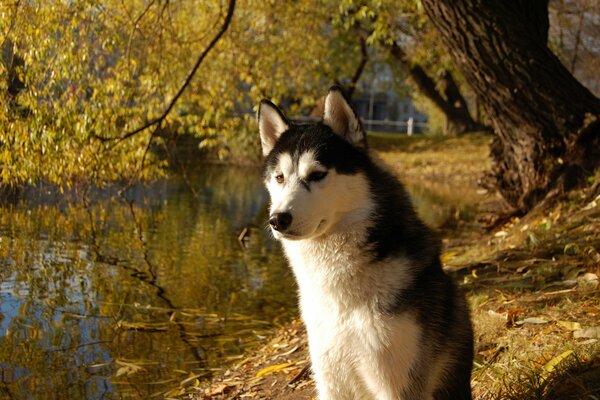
{"x":386,"y":111}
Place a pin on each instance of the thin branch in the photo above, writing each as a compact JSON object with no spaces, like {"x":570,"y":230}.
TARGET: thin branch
{"x":364,"y":58}
{"x":12,"y":24}
{"x":157,"y":122}
{"x":134,"y":28}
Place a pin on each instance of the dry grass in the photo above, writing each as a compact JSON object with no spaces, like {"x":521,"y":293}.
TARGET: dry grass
{"x":452,"y":161}
{"x":535,"y":299}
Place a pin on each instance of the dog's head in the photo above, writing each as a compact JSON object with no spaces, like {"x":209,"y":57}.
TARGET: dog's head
{"x":314,"y":172}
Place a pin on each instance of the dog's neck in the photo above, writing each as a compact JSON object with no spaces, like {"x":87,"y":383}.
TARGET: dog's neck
{"x":330,"y":254}
{"x":336,"y":267}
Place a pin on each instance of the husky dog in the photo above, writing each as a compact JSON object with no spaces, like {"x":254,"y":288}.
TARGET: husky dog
{"x":383,"y":320}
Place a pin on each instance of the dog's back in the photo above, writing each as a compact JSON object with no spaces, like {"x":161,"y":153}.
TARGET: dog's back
{"x":383,"y":319}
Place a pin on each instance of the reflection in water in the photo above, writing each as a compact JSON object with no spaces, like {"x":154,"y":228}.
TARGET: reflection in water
{"x":129,"y":296}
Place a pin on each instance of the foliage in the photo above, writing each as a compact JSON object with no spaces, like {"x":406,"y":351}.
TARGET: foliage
{"x":92,"y":68}
{"x":73,"y":71}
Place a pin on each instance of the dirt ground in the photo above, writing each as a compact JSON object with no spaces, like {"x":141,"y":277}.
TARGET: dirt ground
{"x":532,"y":283}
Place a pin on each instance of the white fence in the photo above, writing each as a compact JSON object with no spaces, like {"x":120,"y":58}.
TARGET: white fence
{"x":409,"y":127}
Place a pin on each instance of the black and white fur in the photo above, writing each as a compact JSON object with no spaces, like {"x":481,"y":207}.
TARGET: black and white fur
{"x":383,"y":320}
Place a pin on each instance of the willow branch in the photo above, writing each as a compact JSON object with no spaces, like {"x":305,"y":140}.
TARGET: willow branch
{"x":12,"y":25}
{"x":157,"y":122}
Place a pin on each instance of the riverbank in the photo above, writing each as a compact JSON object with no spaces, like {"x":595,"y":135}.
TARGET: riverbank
{"x":532,"y":284}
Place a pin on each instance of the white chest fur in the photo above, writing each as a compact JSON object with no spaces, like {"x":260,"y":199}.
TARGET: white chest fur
{"x":356,"y":350}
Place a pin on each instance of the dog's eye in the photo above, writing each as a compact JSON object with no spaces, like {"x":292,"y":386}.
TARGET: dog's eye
{"x":279,"y":178}
{"x":316,"y":176}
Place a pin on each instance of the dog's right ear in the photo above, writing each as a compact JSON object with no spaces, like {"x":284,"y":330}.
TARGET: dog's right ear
{"x":342,"y":119}
{"x":271,"y":124}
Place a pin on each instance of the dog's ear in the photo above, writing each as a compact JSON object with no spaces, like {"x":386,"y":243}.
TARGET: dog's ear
{"x":271,"y":124}
{"x":340,"y":117}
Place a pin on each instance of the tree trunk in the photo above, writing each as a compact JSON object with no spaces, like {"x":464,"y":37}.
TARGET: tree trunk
{"x":451,"y":102}
{"x":547,"y":124}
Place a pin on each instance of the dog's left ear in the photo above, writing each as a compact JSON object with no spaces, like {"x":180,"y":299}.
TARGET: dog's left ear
{"x":342,"y":119}
{"x":271,"y":124}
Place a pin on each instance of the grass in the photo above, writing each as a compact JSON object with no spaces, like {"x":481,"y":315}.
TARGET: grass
{"x":435,"y":159}
{"x":532,"y":284}
{"x":533,"y":287}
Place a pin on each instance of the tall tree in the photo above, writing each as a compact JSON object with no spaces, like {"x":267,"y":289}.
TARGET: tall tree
{"x":547,"y":124}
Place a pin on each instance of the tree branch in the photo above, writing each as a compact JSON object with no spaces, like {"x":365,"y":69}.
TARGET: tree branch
{"x":12,"y":24}
{"x":364,"y":58}
{"x":135,"y":27}
{"x":157,"y":122}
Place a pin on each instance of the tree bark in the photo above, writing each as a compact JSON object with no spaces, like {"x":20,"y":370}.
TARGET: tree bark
{"x":451,"y":102}
{"x":547,"y":124}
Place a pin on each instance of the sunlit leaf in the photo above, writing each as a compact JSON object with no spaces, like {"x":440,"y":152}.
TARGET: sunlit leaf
{"x":588,"y":333}
{"x":550,"y":365}
{"x":572,"y":326}
{"x":273,"y":368}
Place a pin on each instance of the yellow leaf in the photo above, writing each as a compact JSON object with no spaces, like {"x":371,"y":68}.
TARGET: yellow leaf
{"x":550,"y":365}
{"x":174,"y":393}
{"x":273,"y":368}
{"x":191,"y":381}
{"x":571,"y":326}
{"x":448,"y":256}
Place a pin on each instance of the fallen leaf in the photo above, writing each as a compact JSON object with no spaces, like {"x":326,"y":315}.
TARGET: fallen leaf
{"x":571,"y":326}
{"x":191,"y":381}
{"x":590,"y":205}
{"x":287,"y":353}
{"x":550,"y":365}
{"x":448,"y":256}
{"x":497,"y":315}
{"x":174,"y":393}
{"x":273,"y":368}
{"x":588,"y":333}
{"x":221,"y":388}
{"x":127,"y":368}
{"x":512,"y":316}
{"x":588,"y":281}
{"x":533,"y":239}
{"x":571,"y":249}
{"x":531,"y":320}
{"x":587,"y":342}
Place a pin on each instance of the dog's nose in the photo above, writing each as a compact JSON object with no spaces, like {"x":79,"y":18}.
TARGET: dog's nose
{"x":280,"y":221}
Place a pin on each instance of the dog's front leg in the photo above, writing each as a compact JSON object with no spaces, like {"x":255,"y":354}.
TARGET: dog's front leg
{"x":335,"y":375}
{"x":338,"y":382}
{"x":390,"y":363}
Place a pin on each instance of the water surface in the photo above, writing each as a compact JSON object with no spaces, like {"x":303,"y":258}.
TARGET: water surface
{"x":129,"y":296}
